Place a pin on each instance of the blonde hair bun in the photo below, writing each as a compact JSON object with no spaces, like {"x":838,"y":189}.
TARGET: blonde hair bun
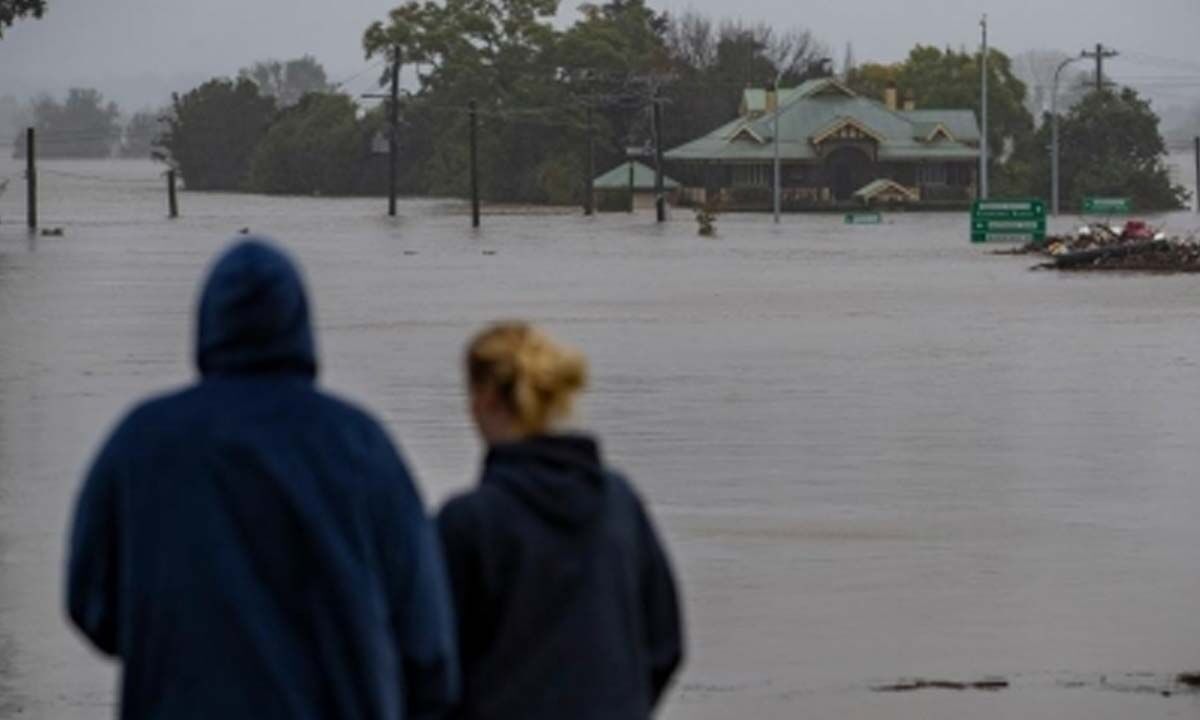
{"x":536,"y":377}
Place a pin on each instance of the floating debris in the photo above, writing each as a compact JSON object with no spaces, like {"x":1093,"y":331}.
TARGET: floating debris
{"x":987,"y":684}
{"x":1134,"y":247}
{"x":52,"y":232}
{"x":1190,"y":679}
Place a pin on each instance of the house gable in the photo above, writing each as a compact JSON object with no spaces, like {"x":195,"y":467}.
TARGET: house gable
{"x":939,"y":133}
{"x":846,"y":128}
{"x":746,"y":133}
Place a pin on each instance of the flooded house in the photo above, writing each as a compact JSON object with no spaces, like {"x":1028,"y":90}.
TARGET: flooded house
{"x":837,"y":149}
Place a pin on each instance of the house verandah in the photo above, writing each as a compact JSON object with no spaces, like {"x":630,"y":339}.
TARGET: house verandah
{"x":834,"y":146}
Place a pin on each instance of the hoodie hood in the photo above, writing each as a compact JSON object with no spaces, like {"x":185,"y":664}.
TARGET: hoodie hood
{"x":253,"y":316}
{"x":561,"y":477}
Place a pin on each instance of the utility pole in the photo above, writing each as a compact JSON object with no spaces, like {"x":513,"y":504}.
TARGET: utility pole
{"x":589,"y":189}
{"x":983,"y":145}
{"x":474,"y":116}
{"x":1198,"y":174}
{"x":172,"y":202}
{"x":660,"y":200}
{"x":775,"y":175}
{"x":393,"y":136}
{"x":31,"y":179}
{"x":1100,"y":55}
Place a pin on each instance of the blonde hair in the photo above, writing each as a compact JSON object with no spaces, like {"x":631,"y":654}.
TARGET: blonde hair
{"x":536,"y":378}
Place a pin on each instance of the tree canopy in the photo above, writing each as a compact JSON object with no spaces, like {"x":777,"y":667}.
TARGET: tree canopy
{"x":316,"y":146}
{"x":10,"y":10}
{"x":82,"y":126}
{"x":212,"y":133}
{"x":1110,"y":145}
{"x":288,"y":81}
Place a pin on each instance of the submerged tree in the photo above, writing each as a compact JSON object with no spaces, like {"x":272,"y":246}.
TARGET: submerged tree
{"x":10,"y":10}
{"x":212,"y":133}
{"x":289,"y":81}
{"x":1110,"y":144}
{"x":142,"y":133}
{"x":315,"y":147}
{"x":82,"y":126}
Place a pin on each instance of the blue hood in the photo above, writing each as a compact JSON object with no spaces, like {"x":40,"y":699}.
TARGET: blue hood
{"x":253,"y":316}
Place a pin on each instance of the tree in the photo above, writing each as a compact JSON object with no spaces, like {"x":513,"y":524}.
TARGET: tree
{"x":1110,"y":144}
{"x":213,"y":130}
{"x":872,"y":79}
{"x":316,"y":147}
{"x":10,"y":10}
{"x":142,"y":133}
{"x":83,"y":126}
{"x":501,"y":54}
{"x":289,"y":81}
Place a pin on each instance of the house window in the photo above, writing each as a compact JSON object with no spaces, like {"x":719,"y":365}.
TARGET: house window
{"x":931,"y":174}
{"x":751,"y":175}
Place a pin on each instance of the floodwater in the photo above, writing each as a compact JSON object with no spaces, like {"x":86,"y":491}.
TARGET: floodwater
{"x":877,"y":453}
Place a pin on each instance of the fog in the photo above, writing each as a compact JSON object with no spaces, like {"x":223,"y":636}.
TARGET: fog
{"x":138,"y":51}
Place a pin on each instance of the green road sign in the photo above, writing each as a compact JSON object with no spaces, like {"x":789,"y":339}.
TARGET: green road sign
{"x":864,"y":218}
{"x":1008,"y":220}
{"x":1107,"y":206}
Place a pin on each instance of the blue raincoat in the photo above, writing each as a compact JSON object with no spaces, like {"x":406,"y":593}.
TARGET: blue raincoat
{"x":250,"y":547}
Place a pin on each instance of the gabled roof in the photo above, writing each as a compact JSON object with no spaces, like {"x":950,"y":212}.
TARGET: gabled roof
{"x":884,"y":186}
{"x":839,"y":126}
{"x":643,"y":178}
{"x":807,"y":111}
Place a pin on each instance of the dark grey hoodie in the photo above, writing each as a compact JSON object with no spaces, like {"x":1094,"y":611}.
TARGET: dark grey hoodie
{"x":567,"y":607}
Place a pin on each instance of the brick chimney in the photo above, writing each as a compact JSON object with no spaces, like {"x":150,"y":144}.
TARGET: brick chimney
{"x":889,"y":95}
{"x":772,"y":98}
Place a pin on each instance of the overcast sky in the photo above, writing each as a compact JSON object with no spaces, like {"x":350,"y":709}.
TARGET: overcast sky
{"x":137,"y":51}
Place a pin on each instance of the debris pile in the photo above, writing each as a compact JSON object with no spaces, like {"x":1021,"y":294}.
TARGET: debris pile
{"x":1134,"y":247}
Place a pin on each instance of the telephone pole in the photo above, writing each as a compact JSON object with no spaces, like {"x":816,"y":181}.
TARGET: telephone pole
{"x":588,"y":188}
{"x":393,"y":136}
{"x":983,"y":143}
{"x":473,"y":117}
{"x":1100,"y":55}
{"x":31,"y":217}
{"x":660,"y":200}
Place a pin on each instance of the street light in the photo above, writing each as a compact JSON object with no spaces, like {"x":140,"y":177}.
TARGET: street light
{"x":1054,"y":134}
{"x":778,"y":79}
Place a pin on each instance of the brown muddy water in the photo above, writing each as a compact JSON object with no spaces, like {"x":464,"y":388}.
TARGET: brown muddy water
{"x":878,"y":454}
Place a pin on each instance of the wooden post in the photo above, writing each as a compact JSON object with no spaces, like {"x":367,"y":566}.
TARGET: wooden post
{"x":660,"y":200}
{"x":172,"y":202}
{"x":588,"y":187}
{"x":393,"y":139}
{"x":1198,"y":173}
{"x":632,"y":205}
{"x":474,"y":165}
{"x":31,"y":179}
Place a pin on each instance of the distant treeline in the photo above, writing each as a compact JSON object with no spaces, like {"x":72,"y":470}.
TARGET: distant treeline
{"x":542,"y":91}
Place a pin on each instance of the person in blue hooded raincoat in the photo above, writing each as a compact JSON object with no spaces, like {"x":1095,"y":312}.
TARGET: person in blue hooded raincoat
{"x":250,"y":547}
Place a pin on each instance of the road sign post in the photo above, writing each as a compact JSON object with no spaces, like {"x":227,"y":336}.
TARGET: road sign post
{"x":1107,"y":206}
{"x":864,"y":218}
{"x":1008,"y":220}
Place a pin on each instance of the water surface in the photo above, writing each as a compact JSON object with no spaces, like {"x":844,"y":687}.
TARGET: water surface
{"x":875,"y":452}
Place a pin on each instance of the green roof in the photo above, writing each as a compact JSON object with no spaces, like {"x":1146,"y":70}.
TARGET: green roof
{"x":818,"y":106}
{"x":643,"y":178}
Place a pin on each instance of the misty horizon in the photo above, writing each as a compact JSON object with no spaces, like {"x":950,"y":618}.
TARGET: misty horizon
{"x":135,"y":52}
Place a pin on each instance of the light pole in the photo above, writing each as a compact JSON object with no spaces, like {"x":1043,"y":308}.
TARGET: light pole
{"x":775,"y":90}
{"x":1054,"y":134}
{"x":983,"y":153}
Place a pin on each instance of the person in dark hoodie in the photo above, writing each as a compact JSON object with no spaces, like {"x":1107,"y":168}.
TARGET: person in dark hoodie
{"x":250,"y":547}
{"x":566,"y":603}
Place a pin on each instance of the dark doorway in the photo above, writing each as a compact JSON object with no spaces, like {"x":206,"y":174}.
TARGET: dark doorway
{"x":847,"y":169}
